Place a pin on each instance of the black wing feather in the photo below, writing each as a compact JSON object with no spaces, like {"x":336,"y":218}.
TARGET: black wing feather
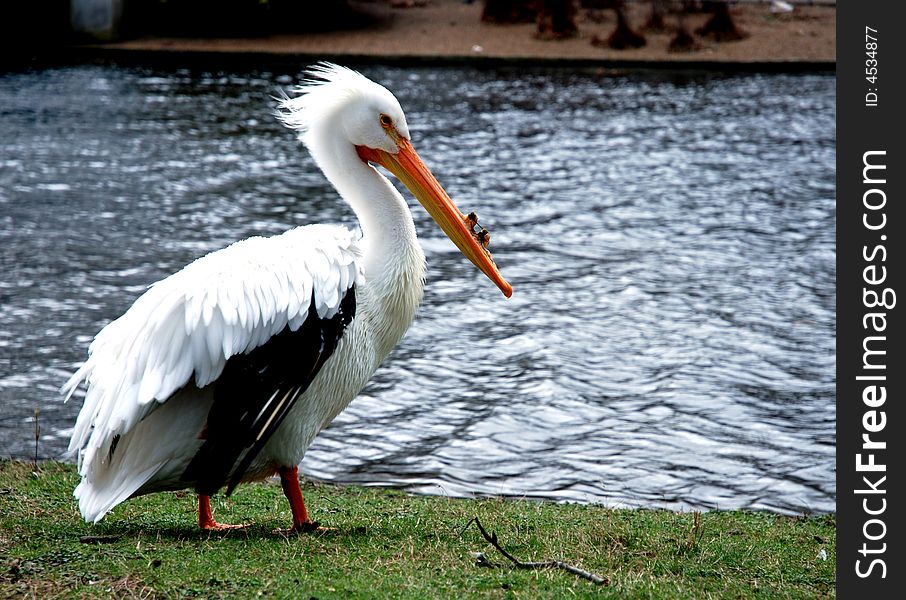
{"x":255,"y":393}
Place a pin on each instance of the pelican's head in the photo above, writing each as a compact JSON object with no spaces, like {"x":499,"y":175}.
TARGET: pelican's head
{"x":367,"y":115}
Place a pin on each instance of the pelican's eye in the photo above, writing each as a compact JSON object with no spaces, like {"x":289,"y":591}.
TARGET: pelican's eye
{"x":386,"y":121}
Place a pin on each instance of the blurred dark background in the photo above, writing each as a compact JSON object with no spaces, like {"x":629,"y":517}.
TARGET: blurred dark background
{"x":47,"y":24}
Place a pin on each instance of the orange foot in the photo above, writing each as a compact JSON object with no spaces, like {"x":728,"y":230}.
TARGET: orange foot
{"x":289,"y":479}
{"x":213,"y":525}
{"x":309,"y":527}
{"x":206,"y":517}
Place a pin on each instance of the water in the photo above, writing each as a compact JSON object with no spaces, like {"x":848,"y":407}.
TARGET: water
{"x":670,"y":239}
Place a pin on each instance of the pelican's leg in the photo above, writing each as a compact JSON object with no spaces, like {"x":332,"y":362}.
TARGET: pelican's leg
{"x":289,"y":479}
{"x":206,"y":517}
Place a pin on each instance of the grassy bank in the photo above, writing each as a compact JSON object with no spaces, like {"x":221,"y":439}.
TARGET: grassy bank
{"x":388,"y":544}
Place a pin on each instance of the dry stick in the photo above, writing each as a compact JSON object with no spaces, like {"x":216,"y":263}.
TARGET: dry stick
{"x":492,"y":539}
{"x":37,"y":436}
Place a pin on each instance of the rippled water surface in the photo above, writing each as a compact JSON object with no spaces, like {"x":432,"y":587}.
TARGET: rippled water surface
{"x":670,"y":239}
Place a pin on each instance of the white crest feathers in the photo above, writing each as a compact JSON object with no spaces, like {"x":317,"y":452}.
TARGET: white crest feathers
{"x":324,"y":85}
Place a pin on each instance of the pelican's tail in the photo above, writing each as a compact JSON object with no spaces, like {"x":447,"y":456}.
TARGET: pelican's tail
{"x":150,"y":457}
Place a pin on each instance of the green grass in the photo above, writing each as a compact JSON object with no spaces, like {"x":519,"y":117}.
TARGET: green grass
{"x":389,"y":544}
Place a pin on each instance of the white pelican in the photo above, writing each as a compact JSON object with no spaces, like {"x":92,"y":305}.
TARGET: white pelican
{"x":225,"y":371}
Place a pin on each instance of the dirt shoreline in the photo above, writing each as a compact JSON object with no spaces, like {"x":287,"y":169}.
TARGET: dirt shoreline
{"x":446,"y":31}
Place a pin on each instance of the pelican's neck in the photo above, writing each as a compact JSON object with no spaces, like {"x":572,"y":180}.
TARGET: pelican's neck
{"x":388,"y":233}
{"x":394,"y":264}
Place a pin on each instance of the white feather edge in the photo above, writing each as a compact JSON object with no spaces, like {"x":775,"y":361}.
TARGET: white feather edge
{"x":225,"y":303}
{"x":305,"y":107}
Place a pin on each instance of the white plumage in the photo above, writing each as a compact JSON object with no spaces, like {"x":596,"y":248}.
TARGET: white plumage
{"x":186,"y":326}
{"x":151,"y":374}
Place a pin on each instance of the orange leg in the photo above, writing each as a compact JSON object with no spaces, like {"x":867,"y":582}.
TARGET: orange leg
{"x":206,"y":517}
{"x":289,"y":479}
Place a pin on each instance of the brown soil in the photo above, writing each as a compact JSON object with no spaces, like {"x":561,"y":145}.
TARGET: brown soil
{"x":453,"y":29}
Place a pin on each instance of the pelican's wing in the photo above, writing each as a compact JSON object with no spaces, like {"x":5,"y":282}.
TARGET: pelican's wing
{"x":189,"y":325}
{"x":256,"y":391}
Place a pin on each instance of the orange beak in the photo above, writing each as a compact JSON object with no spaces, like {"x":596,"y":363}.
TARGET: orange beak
{"x":409,"y":168}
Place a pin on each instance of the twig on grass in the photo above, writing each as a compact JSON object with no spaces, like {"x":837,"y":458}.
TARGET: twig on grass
{"x":544,"y":564}
{"x":37,"y":436}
